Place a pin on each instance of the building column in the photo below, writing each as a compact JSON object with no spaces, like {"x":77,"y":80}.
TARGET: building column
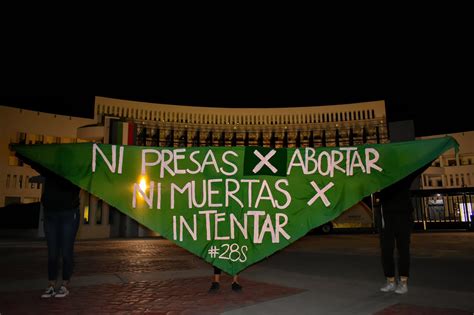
{"x":131,"y":227}
{"x":105,"y":213}
{"x":234,"y":139}
{"x":92,"y":209}
{"x":156,"y":138}
{"x":142,"y":231}
{"x":209,"y":140}
{"x":197,"y":139}
{"x":222,"y":139}
{"x":272,"y":140}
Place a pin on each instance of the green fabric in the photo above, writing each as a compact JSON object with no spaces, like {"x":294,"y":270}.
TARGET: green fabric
{"x":209,"y":201}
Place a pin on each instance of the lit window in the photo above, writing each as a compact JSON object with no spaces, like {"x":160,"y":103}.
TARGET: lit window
{"x":466,"y":211}
{"x":86,"y":209}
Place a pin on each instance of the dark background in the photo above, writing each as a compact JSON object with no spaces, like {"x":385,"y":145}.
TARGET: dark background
{"x":419,"y":61}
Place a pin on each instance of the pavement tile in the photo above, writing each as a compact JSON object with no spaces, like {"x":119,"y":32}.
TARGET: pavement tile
{"x":408,"y":309}
{"x":177,"y":296}
{"x":128,"y":276}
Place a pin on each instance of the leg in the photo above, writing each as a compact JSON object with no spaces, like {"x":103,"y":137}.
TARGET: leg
{"x":217,"y":275}
{"x":215,"y":281}
{"x":69,"y":226}
{"x":403,"y":246}
{"x":51,"y":231}
{"x":235,"y":284}
{"x":387,"y":245}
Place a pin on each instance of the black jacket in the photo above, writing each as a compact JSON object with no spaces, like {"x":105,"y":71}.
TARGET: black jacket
{"x":59,"y":194}
{"x":396,"y":199}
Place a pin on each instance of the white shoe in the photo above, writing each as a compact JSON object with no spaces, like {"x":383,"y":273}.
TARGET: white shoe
{"x":62,"y":292}
{"x":402,"y":288}
{"x":388,"y":287}
{"x":49,"y":292}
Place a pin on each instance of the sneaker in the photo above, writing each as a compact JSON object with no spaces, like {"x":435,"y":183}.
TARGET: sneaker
{"x":62,"y":292}
{"x":214,"y":287}
{"x":236,"y":287}
{"x":389,"y":287}
{"x":48,"y":293}
{"x":402,"y":288}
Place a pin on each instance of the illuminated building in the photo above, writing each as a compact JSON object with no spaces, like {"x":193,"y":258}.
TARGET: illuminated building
{"x":447,"y":187}
{"x":138,"y":123}
{"x":146,"y":124}
{"x":452,"y":170}
{"x":31,"y":127}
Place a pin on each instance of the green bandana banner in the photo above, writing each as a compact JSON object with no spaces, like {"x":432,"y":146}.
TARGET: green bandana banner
{"x":234,"y":206}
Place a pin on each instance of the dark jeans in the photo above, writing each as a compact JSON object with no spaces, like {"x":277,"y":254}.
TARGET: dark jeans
{"x":60,"y":229}
{"x":397,"y":230}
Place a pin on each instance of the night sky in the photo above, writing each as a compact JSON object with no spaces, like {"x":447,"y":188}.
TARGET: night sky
{"x":424,"y":73}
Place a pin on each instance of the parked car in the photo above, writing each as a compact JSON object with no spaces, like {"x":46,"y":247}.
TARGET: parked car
{"x":357,"y":217}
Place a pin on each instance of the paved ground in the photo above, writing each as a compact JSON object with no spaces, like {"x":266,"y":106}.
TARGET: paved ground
{"x":335,"y":274}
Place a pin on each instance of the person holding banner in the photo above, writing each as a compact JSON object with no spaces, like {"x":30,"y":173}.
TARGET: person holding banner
{"x":396,"y":225}
{"x":236,"y":287}
{"x":60,"y":200}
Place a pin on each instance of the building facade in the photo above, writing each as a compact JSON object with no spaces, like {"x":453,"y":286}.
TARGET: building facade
{"x":147,"y":124}
{"x":32,"y":127}
{"x":452,"y":170}
{"x":173,"y":125}
{"x":446,"y":197}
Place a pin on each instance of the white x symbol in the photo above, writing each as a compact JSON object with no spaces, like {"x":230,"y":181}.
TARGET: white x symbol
{"x":264,"y":161}
{"x":320,"y":194}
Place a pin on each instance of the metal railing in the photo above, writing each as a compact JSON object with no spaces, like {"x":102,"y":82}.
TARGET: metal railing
{"x":450,"y":208}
